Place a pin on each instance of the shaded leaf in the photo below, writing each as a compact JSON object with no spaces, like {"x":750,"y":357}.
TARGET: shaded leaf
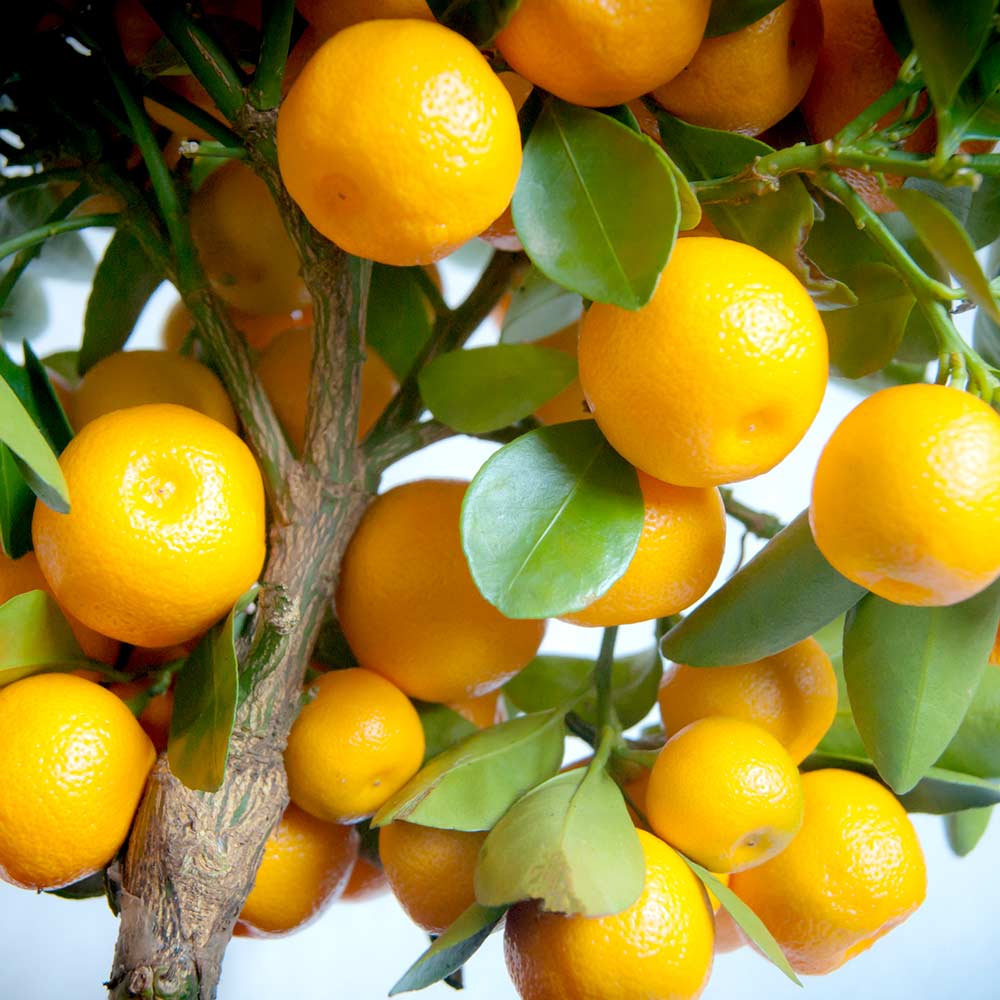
{"x":65,"y":364}
{"x":25,"y":315}
{"x":91,"y":887}
{"x":551,"y":521}
{"x":539,"y":307}
{"x":399,"y":318}
{"x":443,"y":728}
{"x":731,"y":15}
{"x":966,"y":829}
{"x":35,"y":638}
{"x":16,"y":504}
{"x":975,"y":748}
{"x":49,"y":409}
{"x":479,"y":20}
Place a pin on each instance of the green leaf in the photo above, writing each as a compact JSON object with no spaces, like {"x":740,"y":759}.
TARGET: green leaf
{"x":443,"y":728}
{"x":205,"y":696}
{"x":35,"y":638}
{"x":551,"y":521}
{"x":539,"y":307}
{"x":943,"y":235}
{"x":26,"y":314}
{"x":986,"y":332}
{"x":471,"y":785}
{"x":784,"y":594}
{"x":911,"y":674}
{"x":91,"y":887}
{"x":479,"y":20}
{"x":555,"y":844}
{"x":452,"y":949}
{"x":49,"y":409}
{"x":966,"y":829}
{"x":399,"y":317}
{"x":842,"y":737}
{"x":123,"y":283}
{"x":975,"y":748}
{"x":570,"y":215}
{"x":65,"y":364}
{"x":748,"y":921}
{"x":482,"y":389}
{"x":16,"y":504}
{"x":731,"y":15}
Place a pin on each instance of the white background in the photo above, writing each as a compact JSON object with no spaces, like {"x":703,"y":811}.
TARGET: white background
{"x":54,"y":949}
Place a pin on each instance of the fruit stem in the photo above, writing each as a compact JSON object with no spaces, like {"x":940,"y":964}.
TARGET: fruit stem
{"x":32,"y":237}
{"x":602,"y":681}
{"x":757,"y":522}
{"x":265,"y":89}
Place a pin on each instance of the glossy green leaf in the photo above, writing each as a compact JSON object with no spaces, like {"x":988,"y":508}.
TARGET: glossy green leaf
{"x":570,"y":215}
{"x":399,"y":316}
{"x":748,"y":921}
{"x":452,"y":949}
{"x":966,"y":829}
{"x":471,"y":785}
{"x":943,"y":235}
{"x":539,"y":307}
{"x":551,"y":521}
{"x":479,"y":20}
{"x":443,"y":728}
{"x":975,"y":748}
{"x":123,"y":283}
{"x":35,"y":638}
{"x":16,"y":505}
{"x":555,"y":844}
{"x":731,"y":15}
{"x":486,"y":388}
{"x":911,"y":674}
{"x":784,"y":594}
{"x":205,"y":698}
{"x":52,"y":416}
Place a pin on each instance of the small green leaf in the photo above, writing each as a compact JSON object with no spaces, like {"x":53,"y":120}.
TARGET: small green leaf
{"x":452,"y":949}
{"x":91,"y":887}
{"x":123,"y":283}
{"x":66,"y":364}
{"x":731,"y":15}
{"x":555,"y":844}
{"x":443,"y":728}
{"x":35,"y":638}
{"x":26,"y":314}
{"x":205,"y":696}
{"x":975,"y":748}
{"x":399,"y":317}
{"x":479,"y":20}
{"x":784,"y":594}
{"x":16,"y":504}
{"x":551,"y":521}
{"x":539,"y":307}
{"x":485,"y":388}
{"x":471,"y":785}
{"x":911,"y":674}
{"x":748,"y":921}
{"x":966,"y":829}
{"x":570,"y":215}
{"x":50,"y":411}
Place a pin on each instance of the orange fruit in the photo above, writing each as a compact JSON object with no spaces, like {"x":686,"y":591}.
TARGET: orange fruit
{"x":599,"y":54}
{"x":188,"y":87}
{"x":430,"y":871}
{"x":155,"y":715}
{"x":241,"y":240}
{"x":258,"y":330}
{"x":995,"y":654}
{"x":366,"y":882}
{"x":75,"y":763}
{"x":306,"y":866}
{"x":18,"y":576}
{"x":725,"y":793}
{"x":728,"y":935}
{"x":356,"y":743}
{"x":484,"y":711}
{"x":661,"y":946}
{"x":166,"y":529}
{"x":409,"y":607}
{"x":285,"y":367}
{"x":791,"y":694}
{"x":854,"y":872}
{"x":569,"y":404}
{"x":398,"y":141}
{"x":330,"y":17}
{"x":747,"y":80}
{"x":725,"y":405}
{"x":906,"y":497}
{"x":132,"y":378}
{"x":679,"y":553}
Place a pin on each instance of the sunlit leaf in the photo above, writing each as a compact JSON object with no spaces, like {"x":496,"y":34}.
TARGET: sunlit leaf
{"x":35,"y":638}
{"x":539,"y":307}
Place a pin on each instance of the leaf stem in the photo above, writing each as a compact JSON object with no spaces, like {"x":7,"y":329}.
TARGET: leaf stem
{"x":602,"y":680}
{"x":757,"y":522}
{"x":31,"y":237}
{"x":190,"y":111}
{"x":265,"y":89}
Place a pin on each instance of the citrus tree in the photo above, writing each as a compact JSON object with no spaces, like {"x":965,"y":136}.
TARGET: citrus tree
{"x":238,"y":680}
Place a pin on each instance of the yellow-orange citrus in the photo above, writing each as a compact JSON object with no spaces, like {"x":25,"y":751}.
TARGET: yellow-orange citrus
{"x":155,"y":715}
{"x":725,"y":405}
{"x":792,"y":694}
{"x":995,"y":654}
{"x":661,"y":946}
{"x":366,"y":882}
{"x":75,"y":763}
{"x":356,"y":743}
{"x":430,"y":871}
{"x":166,"y":529}
{"x":306,"y":866}
{"x":599,"y":54}
{"x":725,"y":793}
{"x":409,"y":607}
{"x":398,"y":141}
{"x":679,"y":553}
{"x":285,"y":366}
{"x":906,"y":497}
{"x":569,"y":404}
{"x":258,"y":329}
{"x":330,"y":17}
{"x":747,"y":80}
{"x":854,"y":872}
{"x":485,"y":711}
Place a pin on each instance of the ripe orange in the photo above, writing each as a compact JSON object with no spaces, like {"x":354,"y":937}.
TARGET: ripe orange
{"x":166,"y":529}
{"x":155,"y":716}
{"x":258,"y":330}
{"x":569,"y":404}
{"x":132,"y":378}
{"x":285,"y":367}
{"x":906,"y":498}
{"x":398,"y":141}
{"x":366,"y":882}
{"x":329,"y":18}
{"x":430,"y":871}
{"x":749,"y":79}
{"x":306,"y":866}
{"x":243,"y":245}
{"x":74,"y":762}
{"x":409,"y":607}
{"x":725,"y":793}
{"x":599,"y":54}
{"x":725,"y":405}
{"x":792,"y":694}
{"x":679,"y":553}
{"x":854,"y":872}
{"x":661,"y":946}
{"x":356,"y":743}
{"x":484,"y":711}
